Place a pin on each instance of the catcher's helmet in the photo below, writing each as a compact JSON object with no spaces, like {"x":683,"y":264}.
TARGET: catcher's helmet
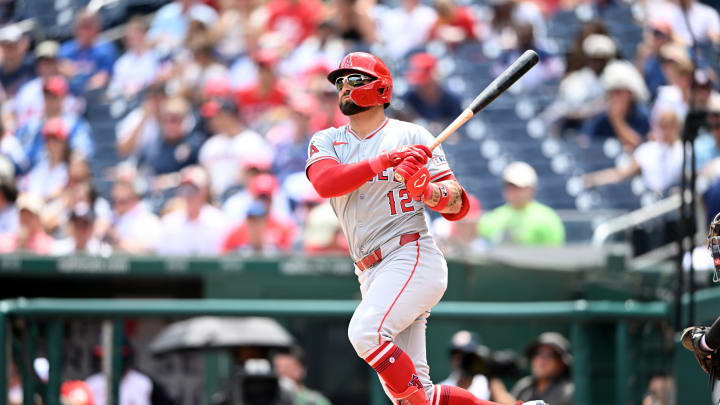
{"x":377,"y":92}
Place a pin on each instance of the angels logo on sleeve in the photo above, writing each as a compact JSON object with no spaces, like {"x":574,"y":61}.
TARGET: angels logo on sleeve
{"x":313,"y":150}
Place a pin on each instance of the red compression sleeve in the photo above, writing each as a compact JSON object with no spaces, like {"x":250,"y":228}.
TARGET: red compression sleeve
{"x":332,"y":179}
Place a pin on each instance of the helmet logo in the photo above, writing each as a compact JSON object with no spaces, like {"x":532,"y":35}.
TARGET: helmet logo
{"x":346,"y":63}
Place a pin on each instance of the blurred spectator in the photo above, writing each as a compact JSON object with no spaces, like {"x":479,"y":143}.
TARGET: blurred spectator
{"x":191,"y":74}
{"x":232,"y":143}
{"x":260,"y":185}
{"x":15,"y":387}
{"x":234,"y":25}
{"x":549,"y":67}
{"x":658,"y":160}
{"x":16,"y":67}
{"x":428,"y":98}
{"x":178,"y":144}
{"x":324,"y":48}
{"x":82,"y":236}
{"x":195,"y":227}
{"x":647,"y":57}
{"x":301,"y":195}
{"x":50,"y":175}
{"x":322,"y":233}
{"x":170,"y":24}
{"x":550,"y":362}
{"x":506,"y":14}
{"x":291,"y":369}
{"x":660,"y":391}
{"x":87,"y":60}
{"x":678,"y":70}
{"x":260,"y":233}
{"x":12,"y":155}
{"x":134,"y":229}
{"x":393,"y":25}
{"x":581,"y":93}
{"x":294,"y":20}
{"x":141,"y":127}
{"x":703,"y":19}
{"x":136,"y":387}
{"x":266,"y":93}
{"x":28,"y":104}
{"x":291,"y":138}
{"x":576,"y":58}
{"x":455,"y":24}
{"x":626,"y":117}
{"x":457,"y":238}
{"x":521,"y":220}
{"x":76,"y":392}
{"x":9,"y":221}
{"x":31,"y":135}
{"x":352,"y":22}
{"x":707,"y":144}
{"x":31,"y":237}
{"x":138,"y":66}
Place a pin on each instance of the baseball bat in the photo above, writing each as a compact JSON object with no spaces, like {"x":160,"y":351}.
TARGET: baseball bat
{"x":501,"y":83}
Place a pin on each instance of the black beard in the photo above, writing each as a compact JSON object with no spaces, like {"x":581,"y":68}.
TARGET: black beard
{"x":350,"y":108}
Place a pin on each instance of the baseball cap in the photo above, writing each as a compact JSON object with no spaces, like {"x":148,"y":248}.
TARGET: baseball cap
{"x":56,"y":128}
{"x":10,"y":33}
{"x":599,"y":46}
{"x":202,"y":14}
{"x":82,"y":211}
{"x":56,"y":85}
{"x":556,"y":341}
{"x":47,"y":49}
{"x":266,"y":57}
{"x":520,"y":174}
{"x":422,"y":67}
{"x":661,"y":26}
{"x":263,"y":184}
{"x":30,"y":202}
{"x":465,"y":341}
{"x":213,"y":107}
{"x":194,"y":176}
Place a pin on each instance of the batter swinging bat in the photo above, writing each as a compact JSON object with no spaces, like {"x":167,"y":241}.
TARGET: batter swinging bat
{"x":501,"y":83}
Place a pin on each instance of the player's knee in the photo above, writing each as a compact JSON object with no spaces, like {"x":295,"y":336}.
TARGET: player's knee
{"x":362,"y":338}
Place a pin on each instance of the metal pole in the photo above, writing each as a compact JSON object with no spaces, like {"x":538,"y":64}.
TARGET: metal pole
{"x":622,"y":363}
{"x":107,"y":359}
{"x":117,"y":359}
{"x":55,"y":352}
{"x":581,"y":375}
{"x":4,"y":359}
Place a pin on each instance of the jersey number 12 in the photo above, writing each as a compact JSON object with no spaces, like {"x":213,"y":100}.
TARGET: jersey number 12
{"x":405,"y":201}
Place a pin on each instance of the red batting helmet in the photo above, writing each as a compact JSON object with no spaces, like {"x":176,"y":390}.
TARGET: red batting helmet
{"x":378,"y":92}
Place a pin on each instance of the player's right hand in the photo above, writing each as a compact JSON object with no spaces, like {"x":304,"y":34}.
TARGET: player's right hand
{"x":392,"y":158}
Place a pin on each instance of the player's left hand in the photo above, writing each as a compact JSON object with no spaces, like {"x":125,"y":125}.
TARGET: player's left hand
{"x":415,"y":175}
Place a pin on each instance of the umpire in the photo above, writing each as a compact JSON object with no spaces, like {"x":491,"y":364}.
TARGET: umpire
{"x":550,"y":362}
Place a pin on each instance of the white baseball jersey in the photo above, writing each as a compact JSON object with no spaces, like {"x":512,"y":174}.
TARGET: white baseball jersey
{"x":382,"y":208}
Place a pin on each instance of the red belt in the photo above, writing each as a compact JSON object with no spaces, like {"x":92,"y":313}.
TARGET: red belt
{"x":376,"y":256}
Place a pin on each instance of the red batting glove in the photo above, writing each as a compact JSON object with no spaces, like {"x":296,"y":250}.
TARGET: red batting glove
{"x":392,"y":158}
{"x":416,"y":177}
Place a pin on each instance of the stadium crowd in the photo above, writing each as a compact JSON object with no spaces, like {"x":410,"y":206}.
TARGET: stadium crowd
{"x":227,"y":93}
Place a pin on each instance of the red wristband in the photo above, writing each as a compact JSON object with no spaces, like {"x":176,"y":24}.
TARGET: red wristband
{"x":444,"y":198}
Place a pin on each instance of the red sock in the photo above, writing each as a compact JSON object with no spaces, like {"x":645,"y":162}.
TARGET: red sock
{"x":394,"y":366}
{"x":449,"y":395}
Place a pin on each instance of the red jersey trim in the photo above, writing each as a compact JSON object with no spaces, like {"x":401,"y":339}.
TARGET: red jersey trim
{"x":311,"y":161}
{"x":441,"y":176}
{"x":372,"y":133}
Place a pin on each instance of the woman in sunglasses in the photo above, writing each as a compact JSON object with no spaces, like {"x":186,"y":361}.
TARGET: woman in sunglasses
{"x":401,"y":271}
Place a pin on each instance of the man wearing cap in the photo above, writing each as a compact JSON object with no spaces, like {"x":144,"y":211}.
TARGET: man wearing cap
{"x":28,"y":104}
{"x":16,"y":68}
{"x":134,"y":228}
{"x":55,"y":91}
{"x":428,"y":98}
{"x":521,"y":220}
{"x":626,"y":117}
{"x":657,"y":33}
{"x":260,"y":185}
{"x":197,"y":227}
{"x":50,"y":175}
{"x":232,"y":143}
{"x":550,"y":361}
{"x":81,"y":230}
{"x":86,"y":60}
{"x":31,"y":237}
{"x":261,"y":232}
{"x":266,"y":93}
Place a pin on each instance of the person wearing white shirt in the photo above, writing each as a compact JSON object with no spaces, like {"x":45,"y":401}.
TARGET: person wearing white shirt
{"x":197,"y":227}
{"x":82,"y":239}
{"x":659,"y":160}
{"x":703,"y":19}
{"x":134,"y":229}
{"x":171,"y":21}
{"x":224,"y":153}
{"x":140,"y":127}
{"x":137,"y":67}
{"x":393,"y":23}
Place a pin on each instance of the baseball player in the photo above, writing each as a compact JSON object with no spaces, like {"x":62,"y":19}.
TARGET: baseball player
{"x":704,"y":341}
{"x":402,"y":273}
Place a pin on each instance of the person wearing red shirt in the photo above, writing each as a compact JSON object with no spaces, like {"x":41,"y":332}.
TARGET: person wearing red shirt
{"x":296,"y":19}
{"x":266,"y":93}
{"x":260,"y":233}
{"x":454,"y":24}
